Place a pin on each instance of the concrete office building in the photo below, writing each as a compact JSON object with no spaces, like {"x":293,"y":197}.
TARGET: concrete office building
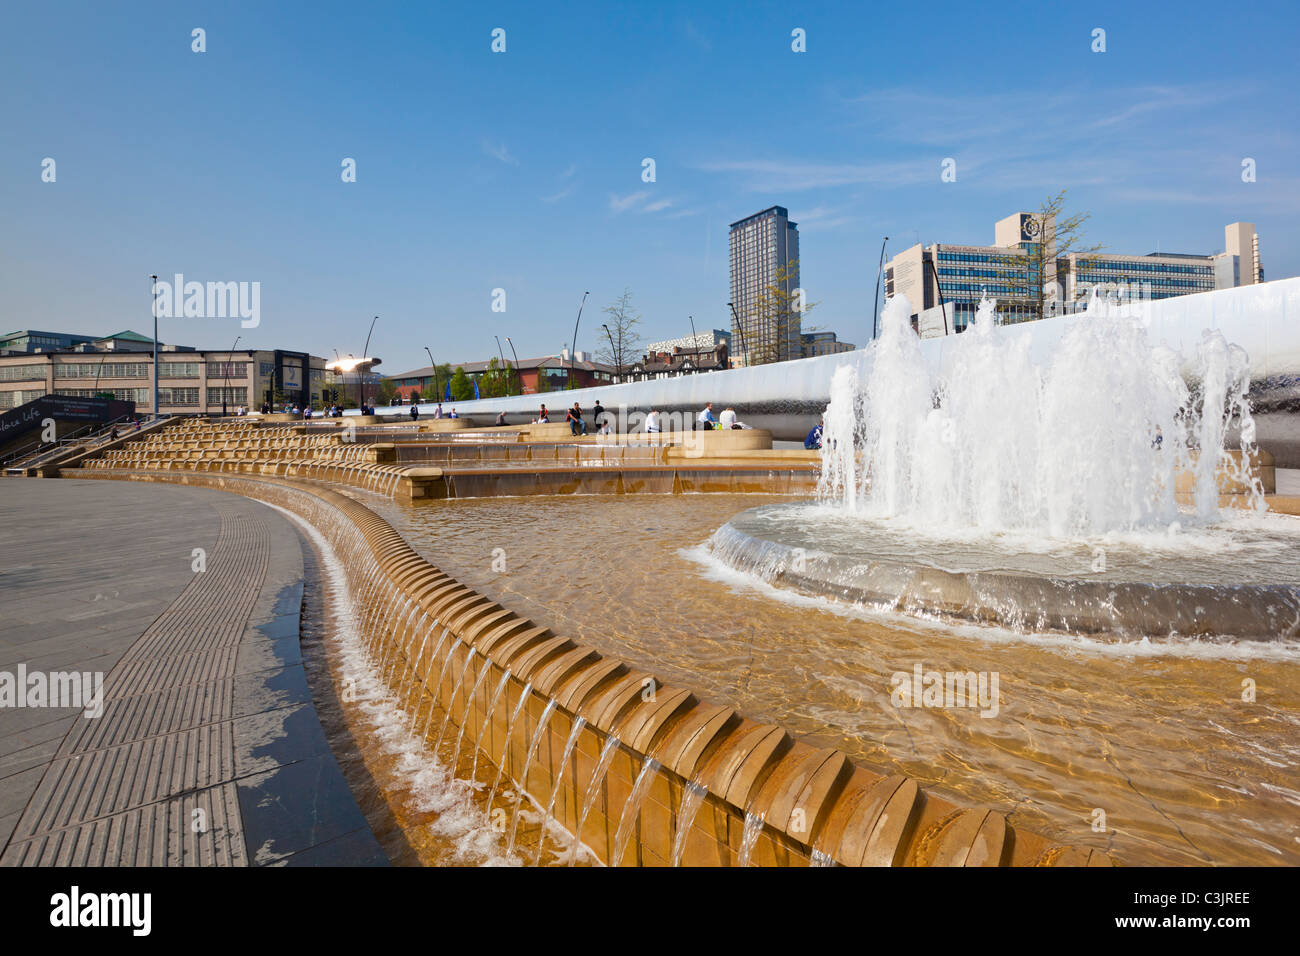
{"x":761,"y":246}
{"x":960,"y":274}
{"x":190,"y":381}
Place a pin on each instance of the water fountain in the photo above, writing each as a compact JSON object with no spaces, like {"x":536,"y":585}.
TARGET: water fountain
{"x":1074,"y":489}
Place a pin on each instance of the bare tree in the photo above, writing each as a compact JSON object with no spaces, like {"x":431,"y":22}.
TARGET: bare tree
{"x":622,"y":342}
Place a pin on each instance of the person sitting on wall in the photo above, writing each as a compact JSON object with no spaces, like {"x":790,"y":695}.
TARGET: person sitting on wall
{"x":543,"y":417}
{"x":453,"y":414}
{"x":814,"y":439}
{"x":576,"y":425}
{"x":706,"y":419}
{"x":728,"y":418}
{"x":415,"y":412}
{"x":501,"y":419}
{"x":652,"y":424}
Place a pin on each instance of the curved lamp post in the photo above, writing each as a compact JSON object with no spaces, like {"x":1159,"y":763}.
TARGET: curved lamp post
{"x":735,"y":321}
{"x":875,"y":305}
{"x":516,"y":355}
{"x":574,"y":350}
{"x":230,"y":360}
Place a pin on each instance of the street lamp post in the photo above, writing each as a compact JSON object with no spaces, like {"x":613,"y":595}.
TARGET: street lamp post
{"x":618,"y":356}
{"x":505,"y":380}
{"x":230,"y":360}
{"x":573,"y":351}
{"x":943,"y":310}
{"x":99,"y":368}
{"x":155,"y":345}
{"x":875,"y":305}
{"x":434,"y":367}
{"x":516,"y":355}
{"x":735,"y":321}
{"x":365,"y":352}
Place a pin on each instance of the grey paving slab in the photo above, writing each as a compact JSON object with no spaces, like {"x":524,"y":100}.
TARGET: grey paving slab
{"x":206,"y":713}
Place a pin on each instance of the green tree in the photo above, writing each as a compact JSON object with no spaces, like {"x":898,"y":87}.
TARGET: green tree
{"x":498,"y":381}
{"x":437,"y":386}
{"x":770,"y":332}
{"x":462,"y":389}
{"x":385,"y":392}
{"x":1032,"y":275}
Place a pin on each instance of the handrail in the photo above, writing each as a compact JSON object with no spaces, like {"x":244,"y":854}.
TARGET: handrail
{"x":35,"y":453}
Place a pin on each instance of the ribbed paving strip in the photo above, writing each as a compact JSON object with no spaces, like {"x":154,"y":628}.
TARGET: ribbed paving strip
{"x":129,"y":782}
{"x":158,"y":834}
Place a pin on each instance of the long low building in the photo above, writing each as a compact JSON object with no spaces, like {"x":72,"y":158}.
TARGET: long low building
{"x":190,"y":381}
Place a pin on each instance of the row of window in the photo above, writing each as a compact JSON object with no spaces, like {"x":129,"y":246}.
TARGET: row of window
{"x":19,"y":397}
{"x":1102,"y":265}
{"x":1153,"y":281}
{"x":104,"y":370}
{"x":22,"y":373}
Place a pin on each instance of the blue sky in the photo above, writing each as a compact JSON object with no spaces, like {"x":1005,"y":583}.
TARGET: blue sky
{"x":523,"y":170}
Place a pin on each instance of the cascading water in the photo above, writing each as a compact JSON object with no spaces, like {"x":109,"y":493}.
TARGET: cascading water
{"x":749,"y":838}
{"x":510,"y":727}
{"x":632,"y":808}
{"x":692,"y":799}
{"x":487,"y":719}
{"x":555,"y":787}
{"x":460,"y":735}
{"x":593,"y":789}
{"x":1088,"y":441}
{"x":523,"y":778}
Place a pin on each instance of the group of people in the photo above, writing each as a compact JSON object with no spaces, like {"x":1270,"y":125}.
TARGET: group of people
{"x":706,"y":420}
{"x":437,"y":412}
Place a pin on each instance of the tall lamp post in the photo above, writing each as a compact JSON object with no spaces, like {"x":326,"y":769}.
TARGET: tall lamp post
{"x":365,"y":352}
{"x":99,"y":368}
{"x":434,"y":366}
{"x":876,"y":304}
{"x":943,"y":310}
{"x":735,"y":321}
{"x":618,"y":356}
{"x":505,"y":379}
{"x":155,"y":345}
{"x":516,"y":355}
{"x":574,"y":349}
{"x":230,"y":360}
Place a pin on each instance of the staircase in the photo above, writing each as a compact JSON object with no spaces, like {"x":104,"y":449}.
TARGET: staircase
{"x":251,"y":447}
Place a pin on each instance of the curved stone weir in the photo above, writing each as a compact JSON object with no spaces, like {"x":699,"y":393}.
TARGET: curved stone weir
{"x":544,"y":710}
{"x":1122,"y":610}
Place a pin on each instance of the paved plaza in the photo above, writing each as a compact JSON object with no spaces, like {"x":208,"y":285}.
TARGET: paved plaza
{"x":208,"y":750}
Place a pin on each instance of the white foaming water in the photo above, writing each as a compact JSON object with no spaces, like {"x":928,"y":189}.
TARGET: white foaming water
{"x":1085,"y":443}
{"x":432,"y":788}
{"x":749,"y":582}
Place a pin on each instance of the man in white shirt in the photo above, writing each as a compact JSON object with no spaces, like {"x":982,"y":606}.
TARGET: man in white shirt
{"x":728,"y":419}
{"x":652,"y":421}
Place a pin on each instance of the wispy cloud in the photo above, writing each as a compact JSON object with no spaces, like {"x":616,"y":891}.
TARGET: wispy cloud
{"x":657,"y":206}
{"x":564,"y":193}
{"x":823,"y":217}
{"x":624,"y":203}
{"x":499,"y":152}
{"x":780,"y":175}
